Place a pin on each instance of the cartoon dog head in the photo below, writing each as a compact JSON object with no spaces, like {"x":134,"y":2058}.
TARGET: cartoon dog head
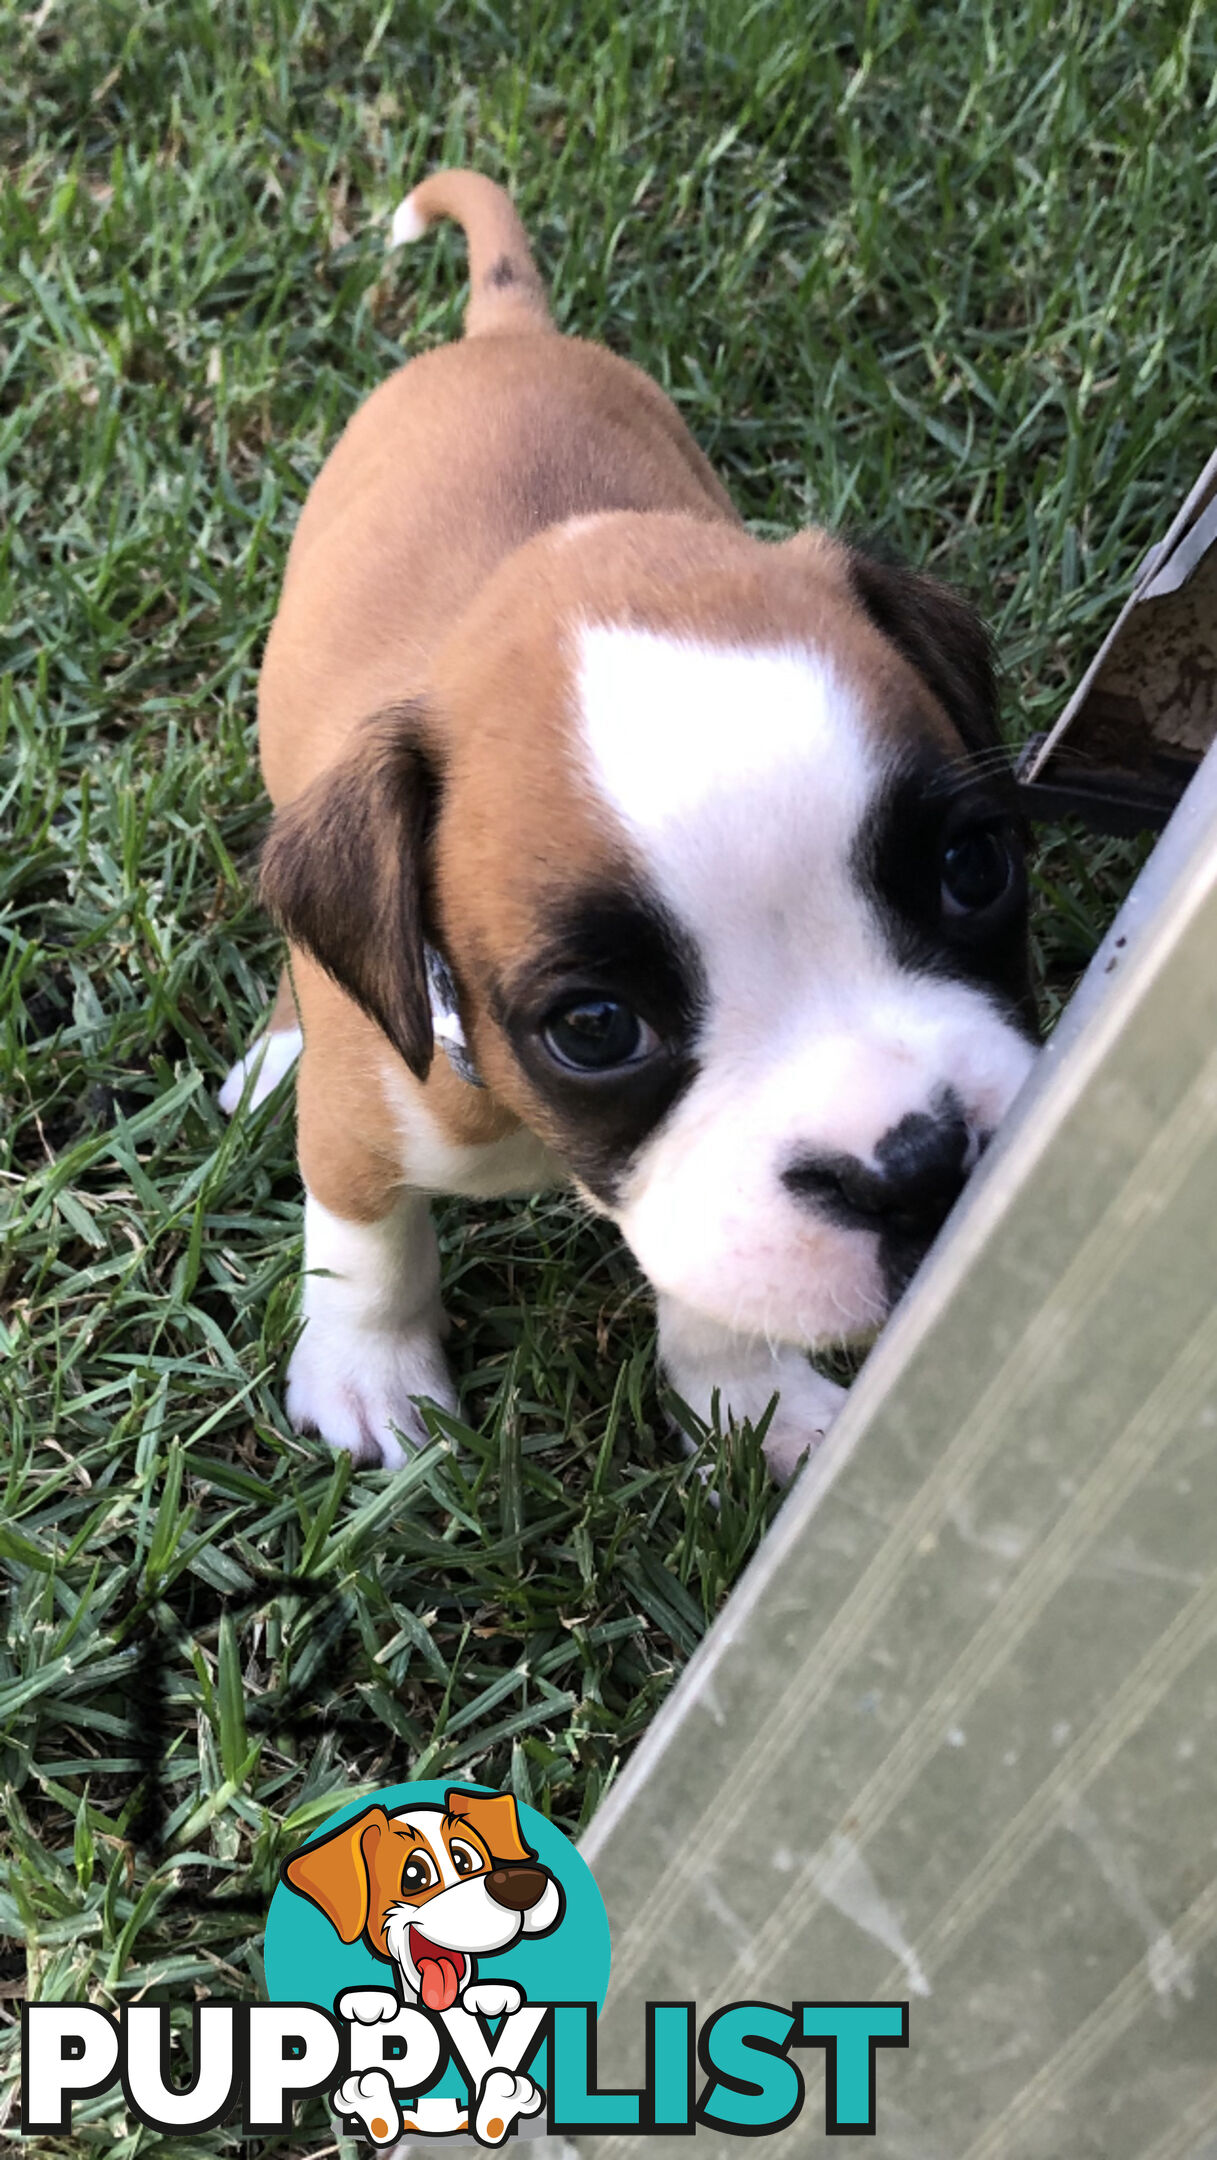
{"x":431,"y":1888}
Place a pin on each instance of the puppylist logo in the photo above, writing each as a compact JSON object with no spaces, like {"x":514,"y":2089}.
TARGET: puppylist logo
{"x":436,"y":1958}
{"x":447,"y":1921}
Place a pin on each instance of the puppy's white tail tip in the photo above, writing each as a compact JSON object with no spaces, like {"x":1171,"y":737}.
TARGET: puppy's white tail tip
{"x":505,"y":292}
{"x":407,"y":224}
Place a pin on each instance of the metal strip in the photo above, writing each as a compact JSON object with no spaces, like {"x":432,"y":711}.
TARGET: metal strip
{"x":955,"y":1736}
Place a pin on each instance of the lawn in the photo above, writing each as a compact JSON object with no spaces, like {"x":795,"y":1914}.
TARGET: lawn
{"x":947,"y":274}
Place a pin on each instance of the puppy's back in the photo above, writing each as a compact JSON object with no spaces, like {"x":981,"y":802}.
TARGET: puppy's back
{"x":453,"y":462}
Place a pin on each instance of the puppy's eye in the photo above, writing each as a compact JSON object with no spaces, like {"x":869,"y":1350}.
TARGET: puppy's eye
{"x":595,"y":1035}
{"x":977,"y":870}
{"x":464,"y":1859}
{"x":418,"y":1873}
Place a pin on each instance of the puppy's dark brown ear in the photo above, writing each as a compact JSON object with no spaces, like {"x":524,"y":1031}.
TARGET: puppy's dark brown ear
{"x":939,"y":634}
{"x":343,"y":870}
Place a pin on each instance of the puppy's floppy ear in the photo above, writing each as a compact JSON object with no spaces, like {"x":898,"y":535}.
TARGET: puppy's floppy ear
{"x":496,"y":1820}
{"x":335,"y":1875}
{"x":343,"y":869}
{"x":939,"y":634}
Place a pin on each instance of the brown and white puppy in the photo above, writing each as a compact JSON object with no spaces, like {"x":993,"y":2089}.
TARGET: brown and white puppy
{"x":708,"y":834}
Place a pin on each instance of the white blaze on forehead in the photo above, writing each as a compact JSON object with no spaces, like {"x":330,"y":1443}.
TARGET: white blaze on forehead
{"x":744,"y":776}
{"x":676,"y":727}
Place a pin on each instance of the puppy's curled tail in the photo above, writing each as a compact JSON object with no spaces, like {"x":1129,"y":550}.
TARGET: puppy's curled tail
{"x":505,"y":289}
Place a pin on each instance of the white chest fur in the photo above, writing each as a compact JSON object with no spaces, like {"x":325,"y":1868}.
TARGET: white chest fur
{"x":431,"y":1162}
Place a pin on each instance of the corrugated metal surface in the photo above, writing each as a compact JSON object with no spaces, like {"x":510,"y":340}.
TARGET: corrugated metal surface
{"x":955,"y":1736}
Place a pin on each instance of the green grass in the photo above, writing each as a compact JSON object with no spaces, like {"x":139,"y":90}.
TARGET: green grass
{"x":947,"y":273}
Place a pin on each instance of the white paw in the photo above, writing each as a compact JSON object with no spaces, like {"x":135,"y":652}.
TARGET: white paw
{"x":700,"y":1360}
{"x":268,"y":1059}
{"x":802,"y":1417}
{"x":370,"y":2099}
{"x":368,"y":2005}
{"x":370,"y":1344}
{"x":493,"y":1998}
{"x":503,"y":2099}
{"x":357,"y":1388}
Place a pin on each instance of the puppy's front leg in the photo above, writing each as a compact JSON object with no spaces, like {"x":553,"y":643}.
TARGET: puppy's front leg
{"x":371,"y":1340}
{"x":698,"y":1356}
{"x":370,"y":1295}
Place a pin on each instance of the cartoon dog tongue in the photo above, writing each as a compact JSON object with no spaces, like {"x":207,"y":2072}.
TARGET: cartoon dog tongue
{"x":440,"y":1971}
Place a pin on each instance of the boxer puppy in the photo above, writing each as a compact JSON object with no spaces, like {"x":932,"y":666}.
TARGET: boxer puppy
{"x":616,"y":847}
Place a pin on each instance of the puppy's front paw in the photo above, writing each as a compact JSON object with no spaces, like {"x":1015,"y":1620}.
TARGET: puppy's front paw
{"x":701,"y":1360}
{"x":806,"y":1408}
{"x":503,"y":2099}
{"x":357,"y":1388}
{"x":369,"y":2100}
{"x":370,"y":1344}
{"x":493,"y":1998}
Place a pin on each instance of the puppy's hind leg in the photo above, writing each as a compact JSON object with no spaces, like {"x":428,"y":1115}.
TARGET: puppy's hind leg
{"x":370,"y":1346}
{"x":271,"y":1054}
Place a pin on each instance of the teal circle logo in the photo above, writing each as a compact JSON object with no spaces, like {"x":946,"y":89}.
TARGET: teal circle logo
{"x":434,"y":1906}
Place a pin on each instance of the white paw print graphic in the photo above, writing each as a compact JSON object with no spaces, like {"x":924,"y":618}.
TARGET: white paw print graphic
{"x":370,"y":2098}
{"x":503,"y":2099}
{"x":368,"y":2005}
{"x":493,"y":1998}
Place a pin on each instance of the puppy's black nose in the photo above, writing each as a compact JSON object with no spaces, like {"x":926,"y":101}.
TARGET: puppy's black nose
{"x":919,"y":1170}
{"x":518,"y":1888}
